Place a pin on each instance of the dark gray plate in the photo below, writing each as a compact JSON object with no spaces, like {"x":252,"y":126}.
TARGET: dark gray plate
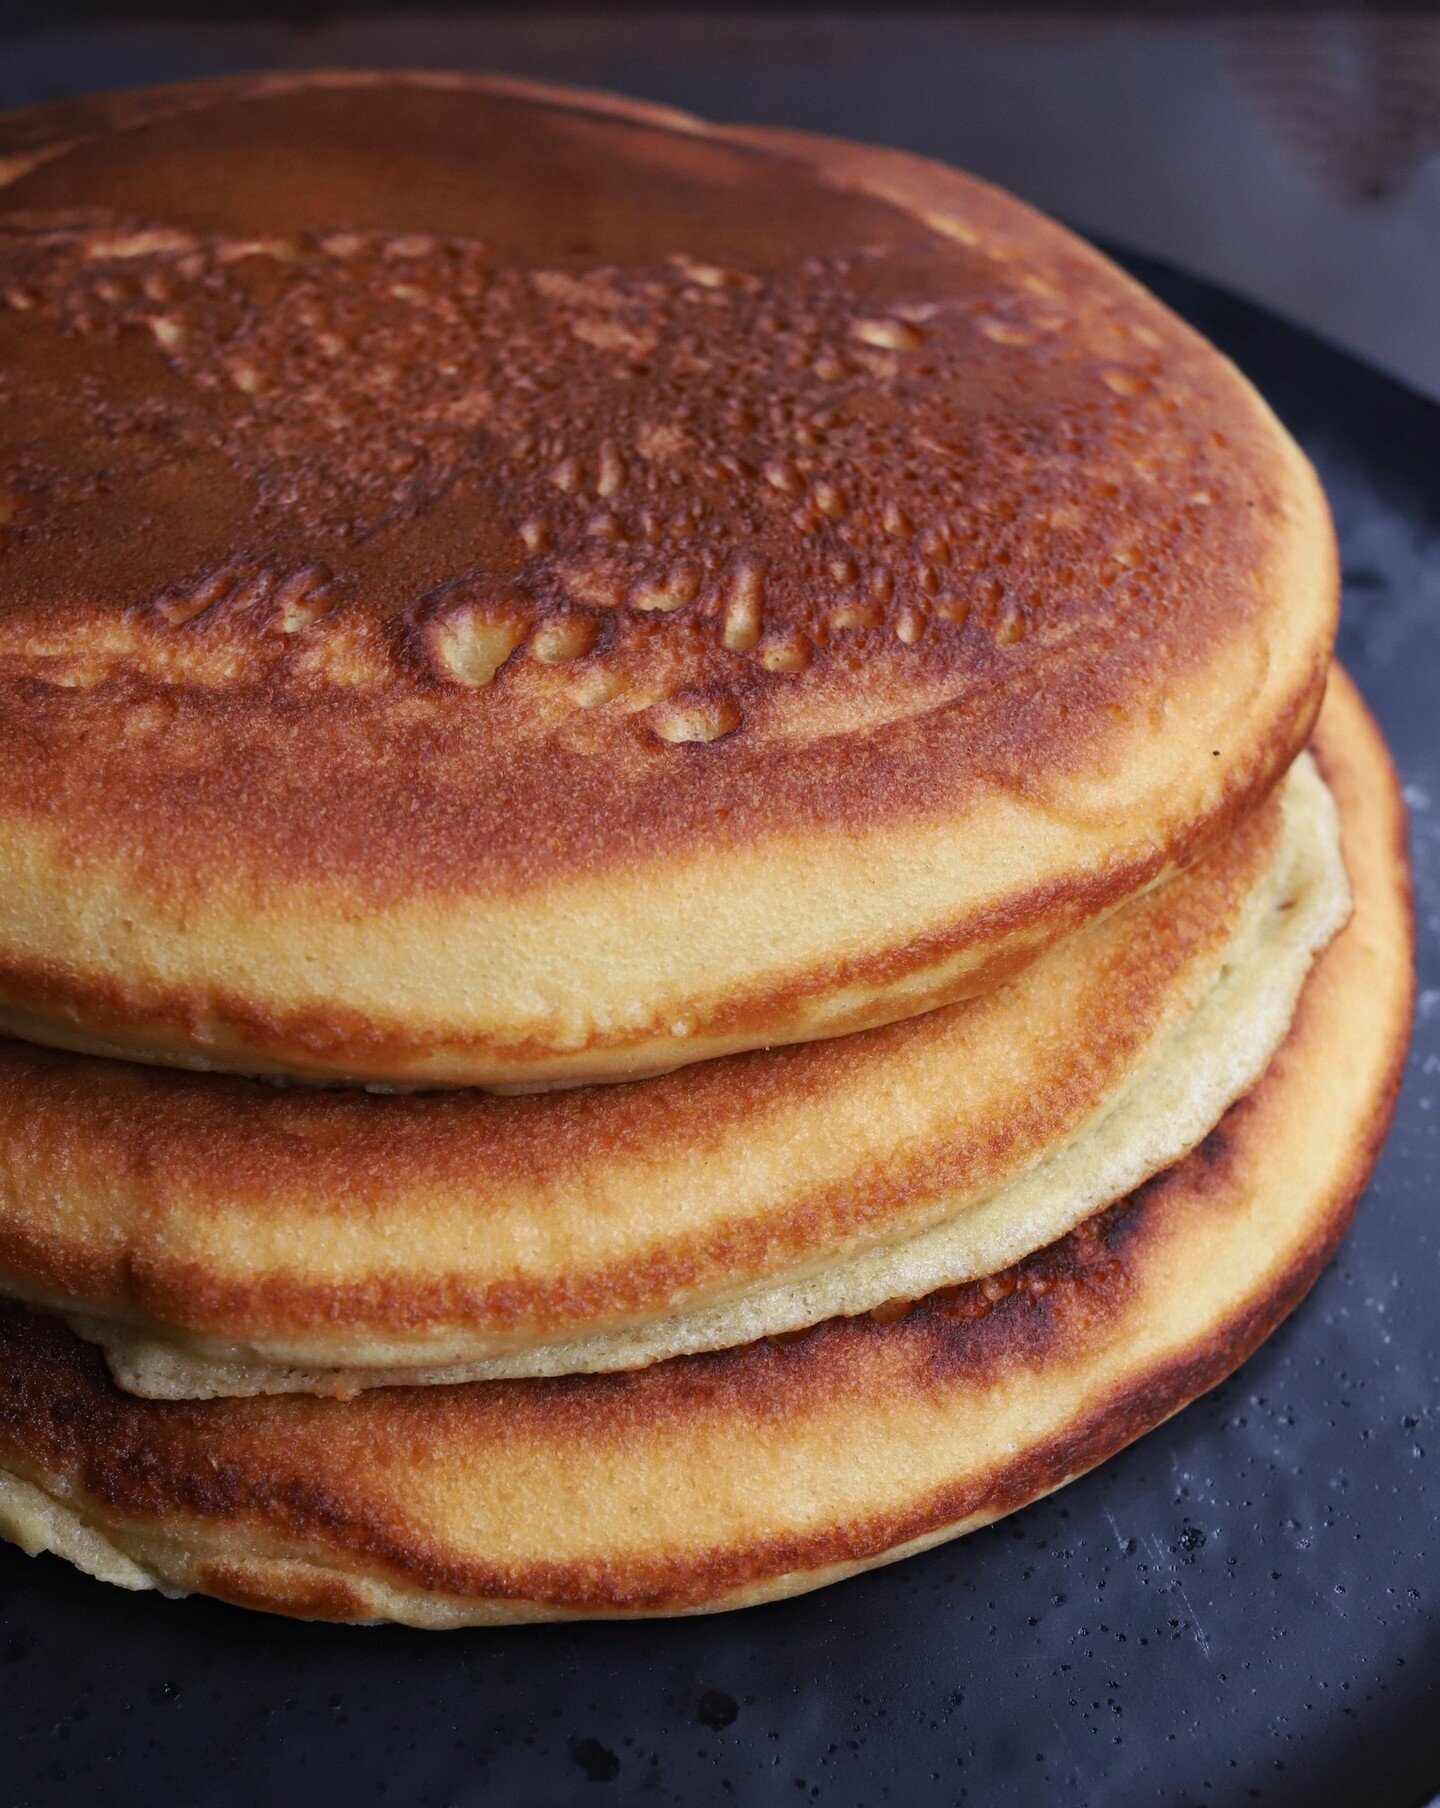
{"x":1244,"y":1607}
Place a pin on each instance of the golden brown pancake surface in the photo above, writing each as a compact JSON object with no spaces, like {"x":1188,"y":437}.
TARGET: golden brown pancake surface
{"x":512,"y":587}
{"x":720,"y":1480}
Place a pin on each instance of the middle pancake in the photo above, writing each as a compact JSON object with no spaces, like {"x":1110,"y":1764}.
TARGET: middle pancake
{"x":220,"y":1235}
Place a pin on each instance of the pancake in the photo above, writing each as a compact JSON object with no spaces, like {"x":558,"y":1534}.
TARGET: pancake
{"x":219,"y":1236}
{"x":512,"y":587}
{"x":714,"y":1481}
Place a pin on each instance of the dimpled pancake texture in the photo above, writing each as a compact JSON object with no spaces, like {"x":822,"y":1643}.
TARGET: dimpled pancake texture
{"x":717,"y":1480}
{"x":510,"y":588}
{"x":217,"y":1237}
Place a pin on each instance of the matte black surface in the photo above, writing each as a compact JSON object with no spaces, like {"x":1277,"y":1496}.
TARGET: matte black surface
{"x":1244,"y":1607}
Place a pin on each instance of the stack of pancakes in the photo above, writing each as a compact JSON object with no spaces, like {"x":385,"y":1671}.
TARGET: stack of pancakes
{"x":677,"y":912}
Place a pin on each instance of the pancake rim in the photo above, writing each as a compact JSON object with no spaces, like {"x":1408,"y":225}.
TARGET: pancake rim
{"x":1147,"y":1123}
{"x":851,"y":976}
{"x":798,"y":1190}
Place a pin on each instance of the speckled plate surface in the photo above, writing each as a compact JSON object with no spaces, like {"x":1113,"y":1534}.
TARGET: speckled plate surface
{"x":1244,"y":1607}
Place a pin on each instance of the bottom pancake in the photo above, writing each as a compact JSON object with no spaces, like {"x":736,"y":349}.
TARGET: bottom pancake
{"x":717,"y":1480}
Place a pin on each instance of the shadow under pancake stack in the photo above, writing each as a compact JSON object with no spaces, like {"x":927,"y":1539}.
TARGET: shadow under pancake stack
{"x":686,"y":899}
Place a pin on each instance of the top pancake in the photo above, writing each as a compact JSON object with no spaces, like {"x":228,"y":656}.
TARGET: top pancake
{"x":511,"y":587}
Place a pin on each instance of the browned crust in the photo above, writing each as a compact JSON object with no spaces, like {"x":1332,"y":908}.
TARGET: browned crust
{"x":247,"y":1492}
{"x":221,"y":808}
{"x":1001,"y":940}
